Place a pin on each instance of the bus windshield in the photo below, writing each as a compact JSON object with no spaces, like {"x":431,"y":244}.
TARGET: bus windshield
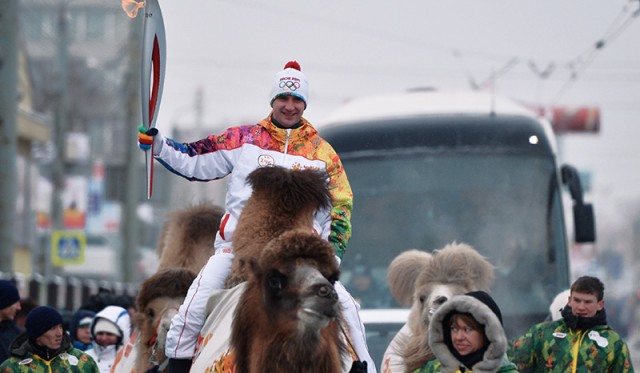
{"x":506,"y":205}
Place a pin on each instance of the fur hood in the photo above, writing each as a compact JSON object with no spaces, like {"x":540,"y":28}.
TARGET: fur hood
{"x":493,"y":356}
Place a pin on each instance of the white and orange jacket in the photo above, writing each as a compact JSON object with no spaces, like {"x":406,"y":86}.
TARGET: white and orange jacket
{"x":237,"y":152}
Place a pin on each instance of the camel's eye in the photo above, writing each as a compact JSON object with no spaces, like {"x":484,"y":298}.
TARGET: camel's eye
{"x":151,"y":312}
{"x":440,"y":300}
{"x":276,"y":281}
{"x":422,"y":299}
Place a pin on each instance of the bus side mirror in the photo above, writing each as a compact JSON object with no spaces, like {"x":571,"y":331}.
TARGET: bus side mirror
{"x":583,"y":217}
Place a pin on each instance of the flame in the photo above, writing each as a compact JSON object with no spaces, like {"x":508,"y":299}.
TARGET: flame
{"x":131,"y":7}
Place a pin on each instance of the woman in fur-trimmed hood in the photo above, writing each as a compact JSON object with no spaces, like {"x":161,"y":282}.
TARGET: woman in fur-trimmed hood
{"x":466,"y":335}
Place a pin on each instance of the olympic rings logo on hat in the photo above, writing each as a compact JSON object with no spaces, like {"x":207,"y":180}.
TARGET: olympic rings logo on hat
{"x":289,"y":84}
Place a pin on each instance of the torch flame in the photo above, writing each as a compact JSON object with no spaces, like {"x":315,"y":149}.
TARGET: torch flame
{"x":131,"y":7}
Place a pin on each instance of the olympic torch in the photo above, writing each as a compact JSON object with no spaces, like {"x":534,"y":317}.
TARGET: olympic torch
{"x":154,"y":57}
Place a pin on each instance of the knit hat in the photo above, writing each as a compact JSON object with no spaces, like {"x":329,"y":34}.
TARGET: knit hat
{"x":86,"y":321}
{"x":40,"y":320}
{"x":106,"y":326}
{"x":8,"y":294}
{"x":488,"y":301}
{"x":290,"y":81}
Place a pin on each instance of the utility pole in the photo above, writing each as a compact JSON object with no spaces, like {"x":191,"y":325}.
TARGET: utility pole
{"x":59,"y":131}
{"x":129,"y":226}
{"x":8,"y":129}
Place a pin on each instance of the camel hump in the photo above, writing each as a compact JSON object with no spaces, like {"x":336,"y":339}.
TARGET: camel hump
{"x":292,"y":189}
{"x":187,"y":236}
{"x":403,"y":272}
{"x":194,"y":225}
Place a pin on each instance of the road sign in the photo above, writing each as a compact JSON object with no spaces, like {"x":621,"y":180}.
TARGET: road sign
{"x":68,"y":247}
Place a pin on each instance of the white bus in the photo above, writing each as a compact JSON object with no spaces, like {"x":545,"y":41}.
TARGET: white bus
{"x":429,"y":168}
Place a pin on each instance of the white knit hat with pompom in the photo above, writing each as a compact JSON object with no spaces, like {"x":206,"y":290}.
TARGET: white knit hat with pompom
{"x":290,"y":81}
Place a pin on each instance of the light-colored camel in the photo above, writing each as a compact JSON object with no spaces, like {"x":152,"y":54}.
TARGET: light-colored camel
{"x":455,"y":269}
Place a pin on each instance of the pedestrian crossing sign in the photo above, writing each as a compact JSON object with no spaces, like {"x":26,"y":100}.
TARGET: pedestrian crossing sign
{"x":68,"y":247}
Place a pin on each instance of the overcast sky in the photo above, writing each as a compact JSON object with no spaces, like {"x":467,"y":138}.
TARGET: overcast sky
{"x":232,"y":48}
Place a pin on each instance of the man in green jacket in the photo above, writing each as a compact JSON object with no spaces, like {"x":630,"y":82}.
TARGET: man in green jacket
{"x":45,"y":347}
{"x":579,"y":342}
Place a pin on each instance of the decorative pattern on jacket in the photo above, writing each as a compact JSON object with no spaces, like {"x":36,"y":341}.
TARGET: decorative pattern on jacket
{"x":24,"y":360}
{"x":240,"y":150}
{"x":553,"y":347}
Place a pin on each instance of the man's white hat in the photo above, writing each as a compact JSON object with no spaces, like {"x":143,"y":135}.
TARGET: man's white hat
{"x":290,"y":81}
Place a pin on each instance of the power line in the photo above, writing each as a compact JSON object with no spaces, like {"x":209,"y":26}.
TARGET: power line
{"x":584,"y":60}
{"x":576,"y":65}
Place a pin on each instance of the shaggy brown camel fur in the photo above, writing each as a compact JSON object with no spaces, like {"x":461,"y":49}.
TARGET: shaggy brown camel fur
{"x":282,"y":200}
{"x":285,"y":313}
{"x":187,"y":236}
{"x":286,"y":319}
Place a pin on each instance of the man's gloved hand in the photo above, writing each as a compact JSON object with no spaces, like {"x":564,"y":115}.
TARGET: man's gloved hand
{"x":145,"y":137}
{"x":359,"y":367}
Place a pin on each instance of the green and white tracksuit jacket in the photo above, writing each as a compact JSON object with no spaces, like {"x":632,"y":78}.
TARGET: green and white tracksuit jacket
{"x":554,"y":347}
{"x":24,"y":359}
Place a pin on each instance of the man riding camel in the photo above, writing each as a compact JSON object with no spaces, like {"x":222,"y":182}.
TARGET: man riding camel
{"x":283,"y":138}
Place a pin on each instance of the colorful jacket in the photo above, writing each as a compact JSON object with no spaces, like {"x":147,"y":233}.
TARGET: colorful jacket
{"x":434,"y":367}
{"x":553,"y":347}
{"x":240,"y":150}
{"x":24,"y":359}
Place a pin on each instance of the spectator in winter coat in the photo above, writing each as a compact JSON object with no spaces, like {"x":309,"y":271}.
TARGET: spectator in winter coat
{"x":80,"y":329}
{"x":580,"y":341}
{"x":466,"y":335}
{"x":9,"y":306}
{"x":110,"y":329}
{"x":45,"y":347}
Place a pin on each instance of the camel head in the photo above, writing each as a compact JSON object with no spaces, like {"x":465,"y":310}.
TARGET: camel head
{"x":299,"y":266}
{"x":158,"y":301}
{"x":453,"y":270}
{"x":287,"y":317}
